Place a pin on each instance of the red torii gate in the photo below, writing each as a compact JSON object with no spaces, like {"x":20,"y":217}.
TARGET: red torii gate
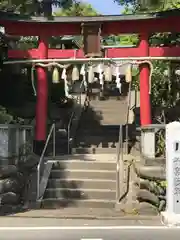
{"x":99,"y":25}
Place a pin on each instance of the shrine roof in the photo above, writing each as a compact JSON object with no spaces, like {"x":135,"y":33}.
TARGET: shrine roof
{"x":107,"y":18}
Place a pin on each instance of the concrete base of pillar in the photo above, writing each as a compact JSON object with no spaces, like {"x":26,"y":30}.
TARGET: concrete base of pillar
{"x":170,"y":219}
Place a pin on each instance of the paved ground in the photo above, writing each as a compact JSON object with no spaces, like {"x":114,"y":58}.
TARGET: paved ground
{"x":125,"y":234}
{"x":80,"y":213}
{"x":51,"y":222}
{"x":55,"y":229}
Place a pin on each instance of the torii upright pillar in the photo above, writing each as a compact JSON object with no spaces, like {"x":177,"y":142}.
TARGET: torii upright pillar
{"x":145,"y":103}
{"x":42,"y":98}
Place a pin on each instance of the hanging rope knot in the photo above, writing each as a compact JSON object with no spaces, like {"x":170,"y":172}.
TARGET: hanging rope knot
{"x":83,"y":72}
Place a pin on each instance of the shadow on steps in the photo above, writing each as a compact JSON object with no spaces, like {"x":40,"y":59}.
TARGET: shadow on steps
{"x":92,"y":133}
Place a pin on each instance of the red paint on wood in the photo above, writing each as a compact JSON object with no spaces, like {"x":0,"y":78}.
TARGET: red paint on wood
{"x":138,"y":26}
{"x":20,"y":54}
{"x":145,"y":104}
{"x":68,"y":53}
{"x":123,"y":52}
{"x":111,"y":53}
{"x":42,"y":93}
{"x":46,"y":29}
{"x":166,"y":24}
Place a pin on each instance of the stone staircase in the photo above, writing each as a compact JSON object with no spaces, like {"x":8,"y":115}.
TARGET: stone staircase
{"x":87,"y":178}
{"x":62,"y":117}
{"x":99,"y":127}
{"x":86,"y":181}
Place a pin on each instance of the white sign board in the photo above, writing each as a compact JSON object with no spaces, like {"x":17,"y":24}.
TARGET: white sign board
{"x":173,"y":167}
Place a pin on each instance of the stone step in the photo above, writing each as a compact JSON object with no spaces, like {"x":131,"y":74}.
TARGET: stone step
{"x":96,"y":132}
{"x":104,"y":158}
{"x":92,"y":133}
{"x":102,"y":128}
{"x":108,"y":102}
{"x":115,"y":121}
{"x":52,"y":203}
{"x":97,"y":144}
{"x":104,"y":121}
{"x":97,"y":128}
{"x":86,"y":164}
{"x":83,"y":183}
{"x":99,"y":118}
{"x":114,"y":107}
{"x":83,"y":174}
{"x":94,"y":150}
{"x":77,"y":193}
{"x":99,"y":138}
{"x":110,"y":110}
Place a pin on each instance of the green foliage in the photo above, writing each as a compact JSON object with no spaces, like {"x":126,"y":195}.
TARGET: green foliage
{"x":160,"y":143}
{"x":159,"y":84}
{"x":77,"y":9}
{"x":34,"y":7}
{"x":5,"y":118}
{"x":163,"y":184}
{"x":164,"y":89}
{"x":28,"y":42}
{"x":149,"y":5}
{"x":165,"y":39}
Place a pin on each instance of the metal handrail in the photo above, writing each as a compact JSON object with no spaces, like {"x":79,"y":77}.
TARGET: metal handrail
{"x":127,"y":117}
{"x":120,"y":159}
{"x":119,"y":164}
{"x":71,"y":118}
{"x":69,"y":127}
{"x":52,"y":131}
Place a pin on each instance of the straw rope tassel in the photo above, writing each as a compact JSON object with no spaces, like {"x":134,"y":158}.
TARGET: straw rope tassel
{"x":128,"y":75}
{"x":75,"y":73}
{"x":118,"y":79}
{"x":108,"y":73}
{"x":90,"y":74}
{"x":101,"y":75}
{"x":66,"y":87}
{"x":55,"y":75}
{"x":83,"y":73}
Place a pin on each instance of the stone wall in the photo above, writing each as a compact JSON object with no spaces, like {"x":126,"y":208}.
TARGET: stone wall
{"x":150,"y":187}
{"x":14,"y":184}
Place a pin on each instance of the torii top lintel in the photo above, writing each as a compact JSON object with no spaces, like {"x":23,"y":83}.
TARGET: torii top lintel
{"x":16,"y":24}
